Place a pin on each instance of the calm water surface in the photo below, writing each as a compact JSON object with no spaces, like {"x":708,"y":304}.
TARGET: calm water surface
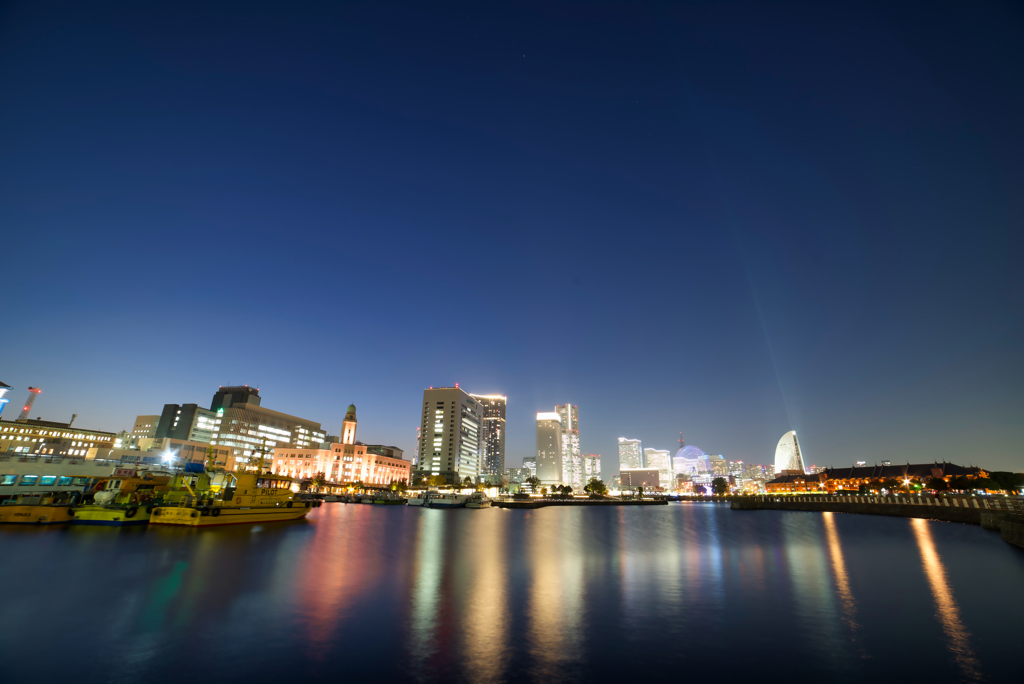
{"x":557,"y":594}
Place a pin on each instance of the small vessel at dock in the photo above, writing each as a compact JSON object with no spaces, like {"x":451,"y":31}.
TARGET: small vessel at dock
{"x":125,"y":498}
{"x":445,"y":500}
{"x":252,"y":497}
{"x":37,"y":510}
{"x":478,"y":500}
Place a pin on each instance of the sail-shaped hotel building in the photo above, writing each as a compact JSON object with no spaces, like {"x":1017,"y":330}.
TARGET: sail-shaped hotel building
{"x":788,"y":459}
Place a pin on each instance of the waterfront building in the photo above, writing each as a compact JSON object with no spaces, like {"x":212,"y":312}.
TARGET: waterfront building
{"x":142,"y":433}
{"x":49,"y":438}
{"x":572,"y":457}
{"x":661,"y":460}
{"x":631,"y":478}
{"x":788,"y":459}
{"x":631,"y":453}
{"x":845,"y":479}
{"x":796,"y":483}
{"x":591,"y":467}
{"x":416,"y":449}
{"x":172,"y":452}
{"x":187,"y":422}
{"x":246,"y":426}
{"x":530,"y":463}
{"x":517,"y":475}
{"x":450,"y":442}
{"x":383,"y":450}
{"x":719,"y":466}
{"x":345,"y":461}
{"x":549,"y":448}
{"x":493,"y":433}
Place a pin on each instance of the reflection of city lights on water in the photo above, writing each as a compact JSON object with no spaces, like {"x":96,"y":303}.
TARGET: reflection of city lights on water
{"x":839,"y":568}
{"x":946,"y":608}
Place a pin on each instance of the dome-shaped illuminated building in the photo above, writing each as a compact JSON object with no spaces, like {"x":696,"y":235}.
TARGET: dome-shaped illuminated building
{"x":788,"y":459}
{"x":691,"y":460}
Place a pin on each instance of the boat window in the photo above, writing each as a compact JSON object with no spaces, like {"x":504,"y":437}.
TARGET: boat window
{"x":81,"y":481}
{"x":28,"y":480}
{"x":6,"y":480}
{"x":64,"y":481}
{"x":48,"y":480}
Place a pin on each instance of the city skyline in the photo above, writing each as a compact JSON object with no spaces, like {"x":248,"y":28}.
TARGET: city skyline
{"x":825,"y":244}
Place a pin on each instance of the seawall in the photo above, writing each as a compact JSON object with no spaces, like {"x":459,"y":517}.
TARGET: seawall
{"x":542,"y":503}
{"x":992,"y":513}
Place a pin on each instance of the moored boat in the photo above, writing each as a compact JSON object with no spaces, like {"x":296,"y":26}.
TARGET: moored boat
{"x":127,"y":498}
{"x":36,"y":511}
{"x":478,"y":500}
{"x":252,"y":497}
{"x":446,"y":500}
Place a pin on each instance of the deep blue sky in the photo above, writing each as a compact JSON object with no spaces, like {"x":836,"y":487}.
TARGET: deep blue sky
{"x":725,"y":219}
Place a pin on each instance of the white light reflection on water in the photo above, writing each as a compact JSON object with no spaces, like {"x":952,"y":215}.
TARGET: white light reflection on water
{"x":426,"y":592}
{"x":946,"y":607}
{"x":485,"y":620}
{"x":814,"y":599}
{"x":555,"y":593}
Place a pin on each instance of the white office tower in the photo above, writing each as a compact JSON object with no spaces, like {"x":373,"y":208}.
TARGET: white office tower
{"x":492,"y":468}
{"x":788,"y":459}
{"x":591,"y":467}
{"x":662,"y":460}
{"x":631,"y":453}
{"x":549,"y":449}
{"x":450,"y":436}
{"x":572,"y":458}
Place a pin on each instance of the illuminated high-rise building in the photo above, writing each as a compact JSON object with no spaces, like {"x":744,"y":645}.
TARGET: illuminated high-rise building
{"x":591,"y":467}
{"x":450,"y":436}
{"x":661,"y":459}
{"x":572,"y":458}
{"x":631,"y":453}
{"x":240,"y":422}
{"x":788,"y":459}
{"x":493,"y":467}
{"x":549,"y":448}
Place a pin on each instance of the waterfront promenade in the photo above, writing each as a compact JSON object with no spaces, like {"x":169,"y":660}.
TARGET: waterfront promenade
{"x":1003,"y":514}
{"x":541,"y":503}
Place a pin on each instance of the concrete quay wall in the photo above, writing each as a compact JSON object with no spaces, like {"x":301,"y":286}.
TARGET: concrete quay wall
{"x":541,"y":503}
{"x":1011,"y":528}
{"x":967,"y":515}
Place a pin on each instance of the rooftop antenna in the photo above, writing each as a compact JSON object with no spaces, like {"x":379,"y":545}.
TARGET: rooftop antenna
{"x":33,"y":392}
{"x":73,"y":416}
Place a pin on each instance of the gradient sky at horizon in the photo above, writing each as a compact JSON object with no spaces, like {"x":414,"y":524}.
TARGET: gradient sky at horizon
{"x":723,"y":219}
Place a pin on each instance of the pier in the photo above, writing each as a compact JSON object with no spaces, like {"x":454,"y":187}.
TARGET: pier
{"x":541,"y":503}
{"x":1002,"y":514}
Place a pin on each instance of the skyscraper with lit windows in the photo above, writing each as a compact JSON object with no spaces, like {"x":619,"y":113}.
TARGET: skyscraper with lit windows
{"x":631,"y":453}
{"x":450,"y":436}
{"x":493,"y":436}
{"x":572,"y":458}
{"x":549,"y":449}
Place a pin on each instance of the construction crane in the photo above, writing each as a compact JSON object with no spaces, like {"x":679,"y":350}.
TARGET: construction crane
{"x":33,"y":392}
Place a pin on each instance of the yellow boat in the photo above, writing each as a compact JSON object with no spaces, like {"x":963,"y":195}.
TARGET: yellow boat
{"x":126,"y":499}
{"x":244,"y":498}
{"x":36,"y":510}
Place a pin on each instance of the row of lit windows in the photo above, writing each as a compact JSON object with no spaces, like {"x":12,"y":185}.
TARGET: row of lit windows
{"x":44,"y":481}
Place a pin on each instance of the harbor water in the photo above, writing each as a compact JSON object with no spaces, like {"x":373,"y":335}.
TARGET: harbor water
{"x":396,"y":593}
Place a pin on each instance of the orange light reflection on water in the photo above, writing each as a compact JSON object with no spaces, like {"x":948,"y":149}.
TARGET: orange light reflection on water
{"x":839,"y":569}
{"x":946,"y":607}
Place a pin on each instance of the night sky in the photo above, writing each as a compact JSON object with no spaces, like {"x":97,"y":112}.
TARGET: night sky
{"x":725,"y":219}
